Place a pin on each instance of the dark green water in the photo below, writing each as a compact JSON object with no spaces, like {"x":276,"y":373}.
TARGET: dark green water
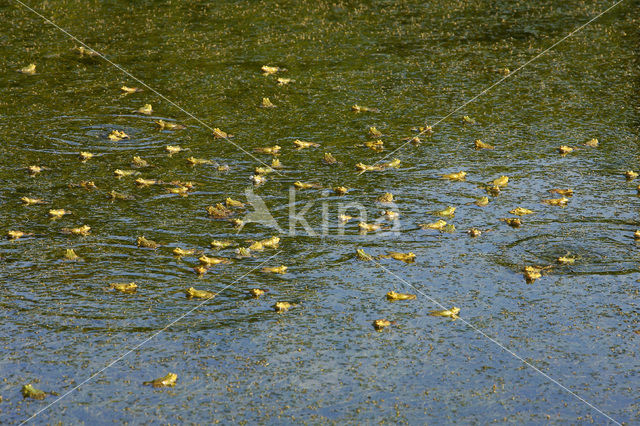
{"x":322,"y":361}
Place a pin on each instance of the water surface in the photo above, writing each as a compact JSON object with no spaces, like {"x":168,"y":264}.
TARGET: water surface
{"x":236,"y":359}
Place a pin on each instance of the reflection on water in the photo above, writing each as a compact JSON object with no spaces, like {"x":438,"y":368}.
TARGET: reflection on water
{"x":238,"y":360}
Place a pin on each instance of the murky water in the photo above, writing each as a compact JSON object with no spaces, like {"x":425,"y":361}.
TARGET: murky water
{"x":236,"y":359}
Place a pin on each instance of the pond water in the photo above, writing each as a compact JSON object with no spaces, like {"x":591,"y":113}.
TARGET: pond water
{"x":322,"y":361}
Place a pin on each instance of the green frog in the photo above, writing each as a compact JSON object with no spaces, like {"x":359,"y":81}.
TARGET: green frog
{"x":381,"y":324}
{"x":449,"y":313}
{"x":28,"y":391}
{"x":266,"y":103}
{"x":147,"y":109}
{"x":404,"y":257}
{"x":167,"y":381}
{"x":128,"y":288}
{"x":303,"y":144}
{"x":360,"y":254}
{"x":199,"y":294}
{"x":29,"y":69}
{"x":392,"y":295}
{"x":167,"y":125}
{"x":282,"y":306}
{"x":275,"y":269}
{"x":359,"y":108}
{"x":146,"y":243}
{"x":458,"y":176}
